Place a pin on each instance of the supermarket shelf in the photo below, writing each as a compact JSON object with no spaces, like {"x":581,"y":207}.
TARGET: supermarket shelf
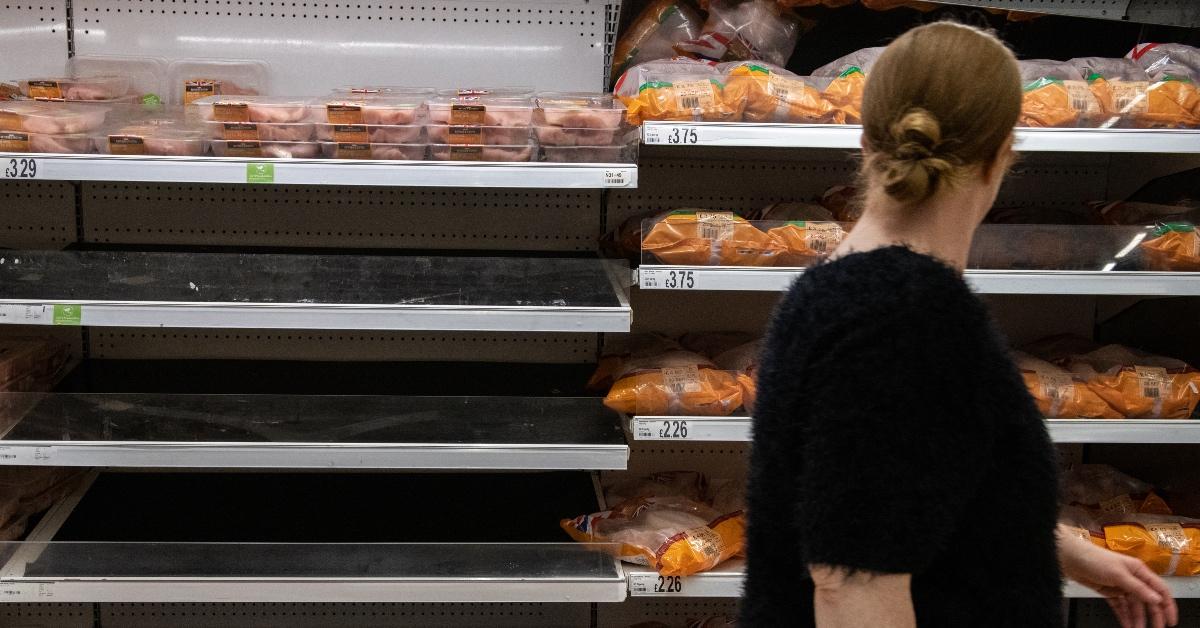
{"x":848,"y":137}
{"x":1169,"y":12}
{"x":33,"y":166}
{"x":309,"y":432}
{"x":259,"y":291}
{"x":985,"y":281}
{"x":1141,"y":431}
{"x":726,"y":582}
{"x":737,"y":429}
{"x":125,"y":537}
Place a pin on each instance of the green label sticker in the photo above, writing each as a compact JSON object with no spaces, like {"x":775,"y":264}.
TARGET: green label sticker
{"x":260,"y":173}
{"x":68,"y":315}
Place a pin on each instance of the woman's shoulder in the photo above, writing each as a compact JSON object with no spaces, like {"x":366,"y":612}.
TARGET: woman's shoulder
{"x":879,"y":279}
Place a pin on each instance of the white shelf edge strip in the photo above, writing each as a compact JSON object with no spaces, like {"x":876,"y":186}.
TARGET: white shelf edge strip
{"x":848,"y":137}
{"x":315,"y":455}
{"x":661,"y":277}
{"x":737,"y":429}
{"x":324,"y":316}
{"x":726,"y":582}
{"x":56,"y":167}
{"x":462,"y":590}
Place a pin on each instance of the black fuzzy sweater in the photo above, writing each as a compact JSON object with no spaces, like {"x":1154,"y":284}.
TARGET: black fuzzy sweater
{"x":893,"y":434}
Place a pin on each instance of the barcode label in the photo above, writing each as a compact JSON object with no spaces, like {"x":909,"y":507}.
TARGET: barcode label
{"x":1170,"y":536}
{"x":1130,"y":96}
{"x":694,"y":95}
{"x":715,"y":225}
{"x":1058,"y":388}
{"x":1154,"y":381}
{"x":1082,"y":99}
{"x":821,"y":237}
{"x":682,"y":379}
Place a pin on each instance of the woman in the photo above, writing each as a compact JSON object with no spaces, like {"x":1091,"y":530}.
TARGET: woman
{"x":899,"y":462}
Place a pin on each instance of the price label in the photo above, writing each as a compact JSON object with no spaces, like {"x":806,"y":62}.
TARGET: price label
{"x":26,"y":591}
{"x":26,"y":455}
{"x":652,"y":584}
{"x":617,"y":178}
{"x":673,"y":429}
{"x":21,"y":168}
{"x":653,"y":278}
{"x":26,"y":314}
{"x":670,"y":135}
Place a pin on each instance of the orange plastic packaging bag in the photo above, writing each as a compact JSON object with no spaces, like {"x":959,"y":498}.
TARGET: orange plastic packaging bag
{"x":1140,"y":386}
{"x":1049,"y":103}
{"x":1059,"y":393}
{"x":675,"y":383}
{"x":1174,"y":247}
{"x":674,"y":535}
{"x":845,"y":93}
{"x":805,"y":243}
{"x":701,"y":99}
{"x":701,"y":238}
{"x":772,"y":94}
{"x":1173,"y":102}
{"x":1168,"y":545}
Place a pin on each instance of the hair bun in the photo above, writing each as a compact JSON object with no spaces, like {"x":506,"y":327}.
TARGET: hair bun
{"x":912,"y":168}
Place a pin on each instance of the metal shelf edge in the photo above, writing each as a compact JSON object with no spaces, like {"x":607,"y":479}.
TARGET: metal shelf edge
{"x":410,"y":456}
{"x":658,"y":277}
{"x":847,"y":137}
{"x":328,"y":172}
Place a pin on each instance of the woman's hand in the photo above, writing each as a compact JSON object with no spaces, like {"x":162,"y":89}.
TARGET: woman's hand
{"x":1138,"y":597}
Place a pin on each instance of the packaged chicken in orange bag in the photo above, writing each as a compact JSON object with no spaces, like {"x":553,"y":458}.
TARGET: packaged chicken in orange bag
{"x":1138,"y":385}
{"x":1173,"y":247}
{"x":1173,"y":97}
{"x":805,"y":243}
{"x":846,"y":80}
{"x":1059,"y":393}
{"x":1056,"y":96}
{"x":1118,"y":85}
{"x":743,"y":362}
{"x":676,"y":89}
{"x":773,"y":94}
{"x":674,"y":383}
{"x":1101,"y":489}
{"x":1169,"y":545}
{"x":705,"y":238}
{"x":674,"y":535}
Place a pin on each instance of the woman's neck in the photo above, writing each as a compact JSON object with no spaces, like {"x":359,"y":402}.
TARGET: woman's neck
{"x":942,"y":226}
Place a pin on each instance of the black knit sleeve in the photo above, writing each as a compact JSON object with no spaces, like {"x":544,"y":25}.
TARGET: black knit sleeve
{"x":897,"y":438}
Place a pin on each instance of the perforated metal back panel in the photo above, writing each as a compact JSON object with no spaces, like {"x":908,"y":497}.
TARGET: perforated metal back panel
{"x":33,"y":38}
{"x":670,"y":612}
{"x":141,"y":343}
{"x":36,"y":214}
{"x":315,"y":46}
{"x":316,"y":216}
{"x":46,"y":616}
{"x":346,"y":615}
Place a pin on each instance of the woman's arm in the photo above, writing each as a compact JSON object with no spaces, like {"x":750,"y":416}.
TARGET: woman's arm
{"x":1137,"y":596}
{"x":850,"y":600}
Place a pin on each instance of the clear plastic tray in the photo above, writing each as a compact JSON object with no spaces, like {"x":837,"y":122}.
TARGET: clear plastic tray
{"x":281,"y":150}
{"x":568,"y":136}
{"x":147,"y":75}
{"x":481,"y":110}
{"x":344,"y":150}
{"x":480,"y":152}
{"x":580,"y":110}
{"x":50,"y":118}
{"x":267,"y":131}
{"x":193,"y":79}
{"x":376,"y":109}
{"x":467,"y":134}
{"x":148,"y":141}
{"x":584,"y":154}
{"x":23,"y":142}
{"x":94,"y":88}
{"x":253,"y":109}
{"x":375,"y":133}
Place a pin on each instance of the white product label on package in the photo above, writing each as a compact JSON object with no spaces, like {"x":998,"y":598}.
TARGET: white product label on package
{"x":1170,"y":536}
{"x":695,"y":95}
{"x":1059,"y":388}
{"x":822,"y":237}
{"x":715,"y":225}
{"x":682,"y":379}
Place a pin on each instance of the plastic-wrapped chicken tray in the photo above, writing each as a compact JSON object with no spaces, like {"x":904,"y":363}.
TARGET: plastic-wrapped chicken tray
{"x":253,"y":109}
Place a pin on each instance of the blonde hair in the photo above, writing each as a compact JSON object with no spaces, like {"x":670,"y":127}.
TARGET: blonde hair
{"x":941,"y":99}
